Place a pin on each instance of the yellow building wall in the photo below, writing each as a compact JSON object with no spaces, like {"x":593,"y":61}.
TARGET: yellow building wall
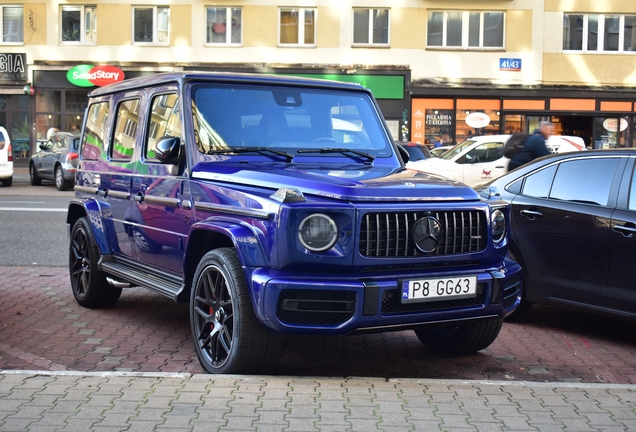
{"x":408,"y":28}
{"x":35,"y":29}
{"x":596,"y":6}
{"x":118,"y":30}
{"x":260,"y":26}
{"x":519,"y":30}
{"x":328,"y":20}
{"x":180,"y":25}
{"x":588,"y":69}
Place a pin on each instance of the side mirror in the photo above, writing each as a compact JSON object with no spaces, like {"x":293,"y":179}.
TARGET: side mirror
{"x":167,"y":150}
{"x":405,"y":155}
{"x":43,"y":145}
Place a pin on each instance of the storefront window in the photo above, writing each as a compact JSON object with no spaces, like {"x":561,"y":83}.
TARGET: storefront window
{"x":48,"y":101}
{"x":610,"y":132}
{"x":76,"y":101}
{"x":477,"y":117}
{"x":73,"y":123}
{"x":44,"y":122}
{"x":432,"y":120}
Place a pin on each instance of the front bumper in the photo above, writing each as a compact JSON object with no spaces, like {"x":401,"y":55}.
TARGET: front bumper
{"x":335,"y":305}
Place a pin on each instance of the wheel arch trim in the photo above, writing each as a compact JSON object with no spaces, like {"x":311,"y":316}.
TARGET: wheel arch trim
{"x":103,"y":229}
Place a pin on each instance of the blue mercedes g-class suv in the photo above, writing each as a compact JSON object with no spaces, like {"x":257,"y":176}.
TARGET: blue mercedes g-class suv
{"x":279,"y":205}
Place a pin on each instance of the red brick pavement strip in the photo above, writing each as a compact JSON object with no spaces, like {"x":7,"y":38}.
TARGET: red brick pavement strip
{"x":43,"y":328}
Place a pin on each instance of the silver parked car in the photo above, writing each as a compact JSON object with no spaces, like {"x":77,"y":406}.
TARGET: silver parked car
{"x":56,"y":160}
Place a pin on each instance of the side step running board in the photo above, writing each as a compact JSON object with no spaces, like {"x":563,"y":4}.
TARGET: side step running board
{"x":161,"y":283}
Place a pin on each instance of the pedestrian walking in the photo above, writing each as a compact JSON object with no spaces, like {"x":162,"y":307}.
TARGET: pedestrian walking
{"x":533,"y":147}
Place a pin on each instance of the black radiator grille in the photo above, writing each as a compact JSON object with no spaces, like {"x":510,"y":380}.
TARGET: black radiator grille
{"x":390,"y":234}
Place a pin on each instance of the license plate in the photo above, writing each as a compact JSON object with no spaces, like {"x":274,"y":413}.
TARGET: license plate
{"x":423,"y":290}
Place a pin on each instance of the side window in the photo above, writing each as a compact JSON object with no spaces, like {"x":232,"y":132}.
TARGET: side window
{"x":585,"y":180}
{"x":164,"y":121}
{"x":538,"y":184}
{"x":95,"y":131}
{"x":632,"y":192}
{"x":488,"y":152}
{"x":126,"y":125}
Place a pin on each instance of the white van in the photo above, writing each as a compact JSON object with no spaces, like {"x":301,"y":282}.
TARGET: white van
{"x":480,"y":159}
{"x":6,"y":158}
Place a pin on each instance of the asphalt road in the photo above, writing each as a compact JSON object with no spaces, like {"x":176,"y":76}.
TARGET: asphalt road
{"x":33,"y":223}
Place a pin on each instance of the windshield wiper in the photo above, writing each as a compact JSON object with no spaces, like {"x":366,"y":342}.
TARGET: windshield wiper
{"x":288,"y":156}
{"x":371,"y":158}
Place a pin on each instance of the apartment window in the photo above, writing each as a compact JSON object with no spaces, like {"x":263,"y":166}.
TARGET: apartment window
{"x":599,"y":32}
{"x":223,"y":25}
{"x":150,"y":25}
{"x":465,"y":30}
{"x":12,"y":24}
{"x":297,"y":26}
{"x":79,"y":24}
{"x":370,"y":26}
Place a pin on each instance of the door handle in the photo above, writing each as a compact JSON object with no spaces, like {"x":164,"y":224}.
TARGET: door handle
{"x":531,"y":214}
{"x":625,"y":230}
{"x":139,"y":197}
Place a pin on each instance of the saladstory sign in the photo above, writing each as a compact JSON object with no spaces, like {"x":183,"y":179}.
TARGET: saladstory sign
{"x":90,"y":76}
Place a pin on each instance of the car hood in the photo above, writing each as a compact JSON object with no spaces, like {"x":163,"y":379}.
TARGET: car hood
{"x":350,"y":183}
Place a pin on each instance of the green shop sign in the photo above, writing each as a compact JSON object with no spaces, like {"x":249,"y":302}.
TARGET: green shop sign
{"x":382,"y":86}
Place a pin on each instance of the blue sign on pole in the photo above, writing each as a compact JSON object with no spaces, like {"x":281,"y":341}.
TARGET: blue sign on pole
{"x":510,"y":64}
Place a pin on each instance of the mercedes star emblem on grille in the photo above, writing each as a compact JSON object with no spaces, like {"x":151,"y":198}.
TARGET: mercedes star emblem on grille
{"x":427,"y":234}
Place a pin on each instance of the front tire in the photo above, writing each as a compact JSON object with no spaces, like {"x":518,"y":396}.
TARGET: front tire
{"x":227,"y":335}
{"x":33,"y":174}
{"x":60,"y":182}
{"x":89,"y":284}
{"x":461,"y":339}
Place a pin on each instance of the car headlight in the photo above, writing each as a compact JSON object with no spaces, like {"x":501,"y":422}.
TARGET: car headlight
{"x":318,"y":232}
{"x":498,"y":226}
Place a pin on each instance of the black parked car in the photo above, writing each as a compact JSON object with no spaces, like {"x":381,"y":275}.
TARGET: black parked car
{"x":416,"y":151}
{"x":574,"y":230}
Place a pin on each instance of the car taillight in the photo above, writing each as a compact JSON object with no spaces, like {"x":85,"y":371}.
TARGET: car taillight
{"x":72,"y":155}
{"x":10,"y":153}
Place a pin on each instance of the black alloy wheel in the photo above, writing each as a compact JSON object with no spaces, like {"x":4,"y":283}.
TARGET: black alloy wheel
{"x":88,"y":283}
{"x":227,"y":336}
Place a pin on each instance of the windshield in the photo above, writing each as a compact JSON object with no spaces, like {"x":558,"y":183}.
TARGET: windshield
{"x":287,"y":119}
{"x":451,"y":153}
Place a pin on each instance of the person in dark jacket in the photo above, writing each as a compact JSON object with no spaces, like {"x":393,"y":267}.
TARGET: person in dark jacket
{"x":533,"y":147}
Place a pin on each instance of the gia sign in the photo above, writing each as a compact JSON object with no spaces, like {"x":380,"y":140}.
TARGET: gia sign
{"x":89,"y":75}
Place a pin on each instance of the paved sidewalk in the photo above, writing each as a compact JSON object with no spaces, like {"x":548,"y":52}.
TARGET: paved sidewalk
{"x":111,"y":401}
{"x":133,"y":368}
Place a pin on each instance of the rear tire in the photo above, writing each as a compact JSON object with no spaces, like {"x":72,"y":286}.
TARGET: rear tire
{"x":89,"y":284}
{"x":7,"y":182}
{"x":461,"y":339}
{"x":227,"y":336}
{"x":33,"y":174}
{"x":60,"y":182}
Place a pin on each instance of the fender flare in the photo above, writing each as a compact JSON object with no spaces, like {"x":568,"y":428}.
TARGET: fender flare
{"x":102,"y":227}
{"x":245,"y":238}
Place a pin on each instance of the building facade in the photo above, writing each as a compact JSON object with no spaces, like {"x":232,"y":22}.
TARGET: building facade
{"x":451,"y":69}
